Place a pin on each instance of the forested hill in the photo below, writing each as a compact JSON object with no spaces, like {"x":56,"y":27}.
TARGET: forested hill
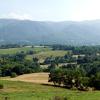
{"x":39,"y":32}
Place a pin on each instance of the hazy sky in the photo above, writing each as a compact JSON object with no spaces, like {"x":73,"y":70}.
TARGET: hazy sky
{"x":50,"y":10}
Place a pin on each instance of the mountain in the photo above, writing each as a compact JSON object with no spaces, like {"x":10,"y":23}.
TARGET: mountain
{"x":39,"y":32}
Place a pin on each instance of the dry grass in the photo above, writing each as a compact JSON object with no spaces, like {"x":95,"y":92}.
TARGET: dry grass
{"x":41,"y":78}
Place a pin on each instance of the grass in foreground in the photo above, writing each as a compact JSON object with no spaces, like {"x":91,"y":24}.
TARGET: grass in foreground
{"x":30,"y":91}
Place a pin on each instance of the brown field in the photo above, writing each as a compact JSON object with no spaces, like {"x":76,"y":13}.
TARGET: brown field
{"x":41,"y":78}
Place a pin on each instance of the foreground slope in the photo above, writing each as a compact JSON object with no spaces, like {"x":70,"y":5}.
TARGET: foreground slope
{"x":30,"y":91}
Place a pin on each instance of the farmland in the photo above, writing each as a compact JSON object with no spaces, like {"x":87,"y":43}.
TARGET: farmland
{"x":44,"y":54}
{"x":40,"y":52}
{"x":25,"y":76}
{"x":25,"y":49}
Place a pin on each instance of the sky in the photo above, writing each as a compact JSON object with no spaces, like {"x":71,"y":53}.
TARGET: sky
{"x":50,"y":10}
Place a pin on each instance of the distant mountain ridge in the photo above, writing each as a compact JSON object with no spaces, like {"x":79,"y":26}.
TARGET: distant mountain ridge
{"x":41,"y":32}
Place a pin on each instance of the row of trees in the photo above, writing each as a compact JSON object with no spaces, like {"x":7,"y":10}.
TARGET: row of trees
{"x":78,"y":49}
{"x":67,"y":58}
{"x":80,"y":77}
{"x":7,"y":46}
{"x":70,"y":58}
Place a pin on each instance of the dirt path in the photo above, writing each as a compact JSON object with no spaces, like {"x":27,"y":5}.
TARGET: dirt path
{"x":34,"y":77}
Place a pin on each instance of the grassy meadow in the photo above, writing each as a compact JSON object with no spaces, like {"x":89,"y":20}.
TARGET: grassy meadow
{"x":41,"y":52}
{"x":47,"y":53}
{"x":15,"y":90}
{"x":25,"y":49}
{"x":55,"y":53}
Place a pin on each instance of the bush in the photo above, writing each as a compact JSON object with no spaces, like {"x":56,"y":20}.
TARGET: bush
{"x":57,"y":98}
{"x":13,"y":75}
{"x":1,"y":86}
{"x":60,"y":98}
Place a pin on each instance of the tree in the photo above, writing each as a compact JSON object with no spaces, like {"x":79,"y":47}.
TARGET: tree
{"x":51,"y":67}
{"x":55,"y":76}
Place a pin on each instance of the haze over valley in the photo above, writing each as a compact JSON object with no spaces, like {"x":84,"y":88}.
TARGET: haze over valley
{"x":43,"y":32}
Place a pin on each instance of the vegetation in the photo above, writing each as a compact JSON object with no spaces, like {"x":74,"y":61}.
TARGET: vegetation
{"x":81,"y":71}
{"x":1,"y":86}
{"x":30,"y":91}
{"x":46,"y":54}
{"x":78,"y":49}
{"x":7,"y":46}
{"x":25,"y":49}
{"x":13,"y":74}
{"x":12,"y":65}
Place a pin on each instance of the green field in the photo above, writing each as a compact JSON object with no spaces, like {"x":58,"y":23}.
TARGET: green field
{"x":47,"y":53}
{"x":30,"y":91}
{"x":41,"y":52}
{"x":55,"y":53}
{"x":25,"y":49}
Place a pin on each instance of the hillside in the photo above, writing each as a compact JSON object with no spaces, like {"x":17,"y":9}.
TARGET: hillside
{"x":39,"y":32}
{"x":41,"y":78}
{"x":17,"y":90}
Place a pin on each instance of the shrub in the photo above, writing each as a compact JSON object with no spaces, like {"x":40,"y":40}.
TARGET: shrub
{"x":13,"y":75}
{"x":57,"y":98}
{"x":60,"y":98}
{"x":1,"y":86}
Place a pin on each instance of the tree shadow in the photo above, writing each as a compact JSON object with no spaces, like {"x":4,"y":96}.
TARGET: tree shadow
{"x":55,"y":85}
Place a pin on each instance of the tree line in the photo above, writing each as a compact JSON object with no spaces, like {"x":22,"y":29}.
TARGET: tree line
{"x":81,"y":72}
{"x":16,"y":64}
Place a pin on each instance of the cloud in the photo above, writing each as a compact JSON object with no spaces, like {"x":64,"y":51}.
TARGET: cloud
{"x":18,"y":16}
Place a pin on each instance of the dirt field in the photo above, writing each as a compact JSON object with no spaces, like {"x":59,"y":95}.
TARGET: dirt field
{"x":41,"y":78}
